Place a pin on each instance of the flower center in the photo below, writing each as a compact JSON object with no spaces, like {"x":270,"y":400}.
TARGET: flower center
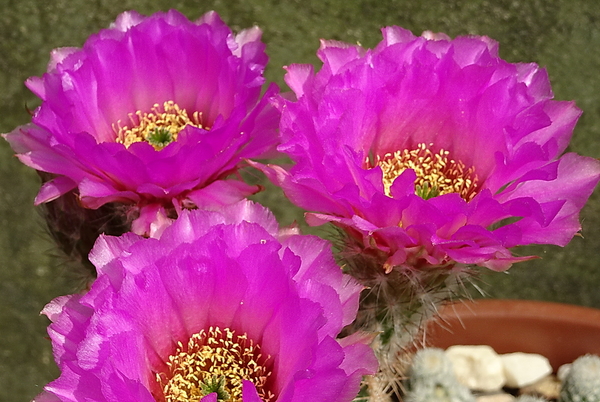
{"x":215,"y":361}
{"x":437,"y":174}
{"x":159,"y":128}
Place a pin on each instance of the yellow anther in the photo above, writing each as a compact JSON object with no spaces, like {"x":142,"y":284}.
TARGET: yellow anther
{"x":437,"y":174}
{"x":218,"y":357}
{"x":159,"y":127}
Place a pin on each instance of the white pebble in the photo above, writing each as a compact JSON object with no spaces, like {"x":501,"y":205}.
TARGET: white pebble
{"x":496,"y":398}
{"x":478,"y":367}
{"x":521,"y":369}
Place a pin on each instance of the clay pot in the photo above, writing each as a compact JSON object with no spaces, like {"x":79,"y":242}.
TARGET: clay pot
{"x":561,"y":332}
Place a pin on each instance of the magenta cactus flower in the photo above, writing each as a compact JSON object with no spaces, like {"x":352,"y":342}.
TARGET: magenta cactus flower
{"x":221,"y":307}
{"x":429,"y":151}
{"x":156,"y":112}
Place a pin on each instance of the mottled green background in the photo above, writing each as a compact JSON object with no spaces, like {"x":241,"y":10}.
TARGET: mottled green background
{"x":562,"y":35}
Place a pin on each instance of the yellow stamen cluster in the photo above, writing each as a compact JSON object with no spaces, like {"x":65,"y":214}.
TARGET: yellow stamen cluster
{"x":159,"y":127}
{"x":217,"y":358}
{"x":437,"y":174}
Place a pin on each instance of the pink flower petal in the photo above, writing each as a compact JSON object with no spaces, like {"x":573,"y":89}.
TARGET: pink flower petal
{"x":224,"y":269}
{"x":455,"y":95}
{"x":139,"y":62}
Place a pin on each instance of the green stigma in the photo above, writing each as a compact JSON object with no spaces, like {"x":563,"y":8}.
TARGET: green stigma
{"x":426,"y":191}
{"x":215,"y":384}
{"x":160,"y":137}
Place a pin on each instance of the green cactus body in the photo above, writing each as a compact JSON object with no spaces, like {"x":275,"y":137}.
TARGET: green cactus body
{"x":582,"y":383}
{"x":396,"y":304}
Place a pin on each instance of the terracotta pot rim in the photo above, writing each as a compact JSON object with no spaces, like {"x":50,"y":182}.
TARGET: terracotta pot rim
{"x":561,"y":332}
{"x":523,"y":309}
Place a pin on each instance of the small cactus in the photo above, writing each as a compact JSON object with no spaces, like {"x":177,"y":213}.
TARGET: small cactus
{"x":582,"y":382}
{"x":432,"y":379}
{"x":450,"y":391}
{"x":430,"y":364}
